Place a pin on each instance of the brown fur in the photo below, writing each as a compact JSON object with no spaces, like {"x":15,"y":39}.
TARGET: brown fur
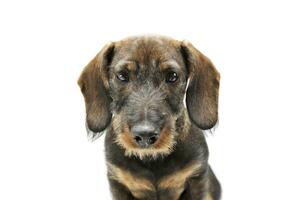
{"x":184,"y":127}
{"x":179,"y":178}
{"x":162,"y":147}
{"x":135,"y":184}
{"x":202,"y":92}
{"x":175,"y":166}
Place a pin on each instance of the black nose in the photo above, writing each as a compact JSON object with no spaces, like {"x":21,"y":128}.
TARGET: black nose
{"x":145,"y":135}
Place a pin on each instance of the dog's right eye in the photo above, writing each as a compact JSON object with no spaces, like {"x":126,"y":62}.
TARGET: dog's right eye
{"x":123,"y":76}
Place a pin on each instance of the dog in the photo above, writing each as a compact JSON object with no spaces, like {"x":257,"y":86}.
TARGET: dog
{"x":135,"y":90}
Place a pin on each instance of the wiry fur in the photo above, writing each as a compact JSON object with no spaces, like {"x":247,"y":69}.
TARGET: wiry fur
{"x":176,"y":165}
{"x":123,"y":138}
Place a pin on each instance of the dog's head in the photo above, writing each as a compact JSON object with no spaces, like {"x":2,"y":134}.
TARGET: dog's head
{"x":141,"y":82}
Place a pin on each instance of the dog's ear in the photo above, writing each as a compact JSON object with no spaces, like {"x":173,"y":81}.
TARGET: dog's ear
{"x":94,"y":85}
{"x":202,"y":91}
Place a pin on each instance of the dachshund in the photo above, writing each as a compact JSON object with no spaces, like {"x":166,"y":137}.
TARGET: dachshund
{"x":153,"y":96}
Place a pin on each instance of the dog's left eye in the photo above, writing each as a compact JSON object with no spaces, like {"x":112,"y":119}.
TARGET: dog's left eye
{"x":123,"y":76}
{"x":171,"y":77}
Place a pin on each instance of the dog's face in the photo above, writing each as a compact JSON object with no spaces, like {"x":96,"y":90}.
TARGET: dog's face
{"x":142,"y":81}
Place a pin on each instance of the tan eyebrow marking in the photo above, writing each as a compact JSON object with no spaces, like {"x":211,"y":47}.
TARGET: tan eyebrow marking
{"x":169,"y":64}
{"x":130,"y":65}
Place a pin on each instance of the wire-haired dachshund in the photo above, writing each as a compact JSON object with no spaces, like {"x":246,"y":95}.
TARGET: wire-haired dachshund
{"x":135,"y":91}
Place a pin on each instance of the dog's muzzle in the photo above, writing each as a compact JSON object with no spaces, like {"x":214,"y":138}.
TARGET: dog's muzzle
{"x":145,"y":112}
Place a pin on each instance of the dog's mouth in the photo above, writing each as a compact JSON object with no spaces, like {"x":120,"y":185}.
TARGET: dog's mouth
{"x":145,"y":141}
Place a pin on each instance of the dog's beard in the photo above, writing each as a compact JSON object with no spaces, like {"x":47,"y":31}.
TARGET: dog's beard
{"x":162,"y":147}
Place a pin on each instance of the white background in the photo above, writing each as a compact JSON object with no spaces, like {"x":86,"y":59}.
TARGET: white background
{"x":44,"y":45}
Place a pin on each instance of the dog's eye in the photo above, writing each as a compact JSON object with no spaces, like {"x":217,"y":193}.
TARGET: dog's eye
{"x":171,"y":77}
{"x":123,"y":76}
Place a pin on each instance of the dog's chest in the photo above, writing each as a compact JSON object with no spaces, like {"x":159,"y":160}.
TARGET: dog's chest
{"x":167,"y":182}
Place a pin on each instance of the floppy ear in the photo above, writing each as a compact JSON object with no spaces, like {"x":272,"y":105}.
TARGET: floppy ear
{"x":93,"y":82}
{"x":202,"y":91}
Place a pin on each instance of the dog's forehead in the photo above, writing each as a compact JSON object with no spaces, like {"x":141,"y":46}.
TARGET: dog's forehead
{"x":149,"y":51}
